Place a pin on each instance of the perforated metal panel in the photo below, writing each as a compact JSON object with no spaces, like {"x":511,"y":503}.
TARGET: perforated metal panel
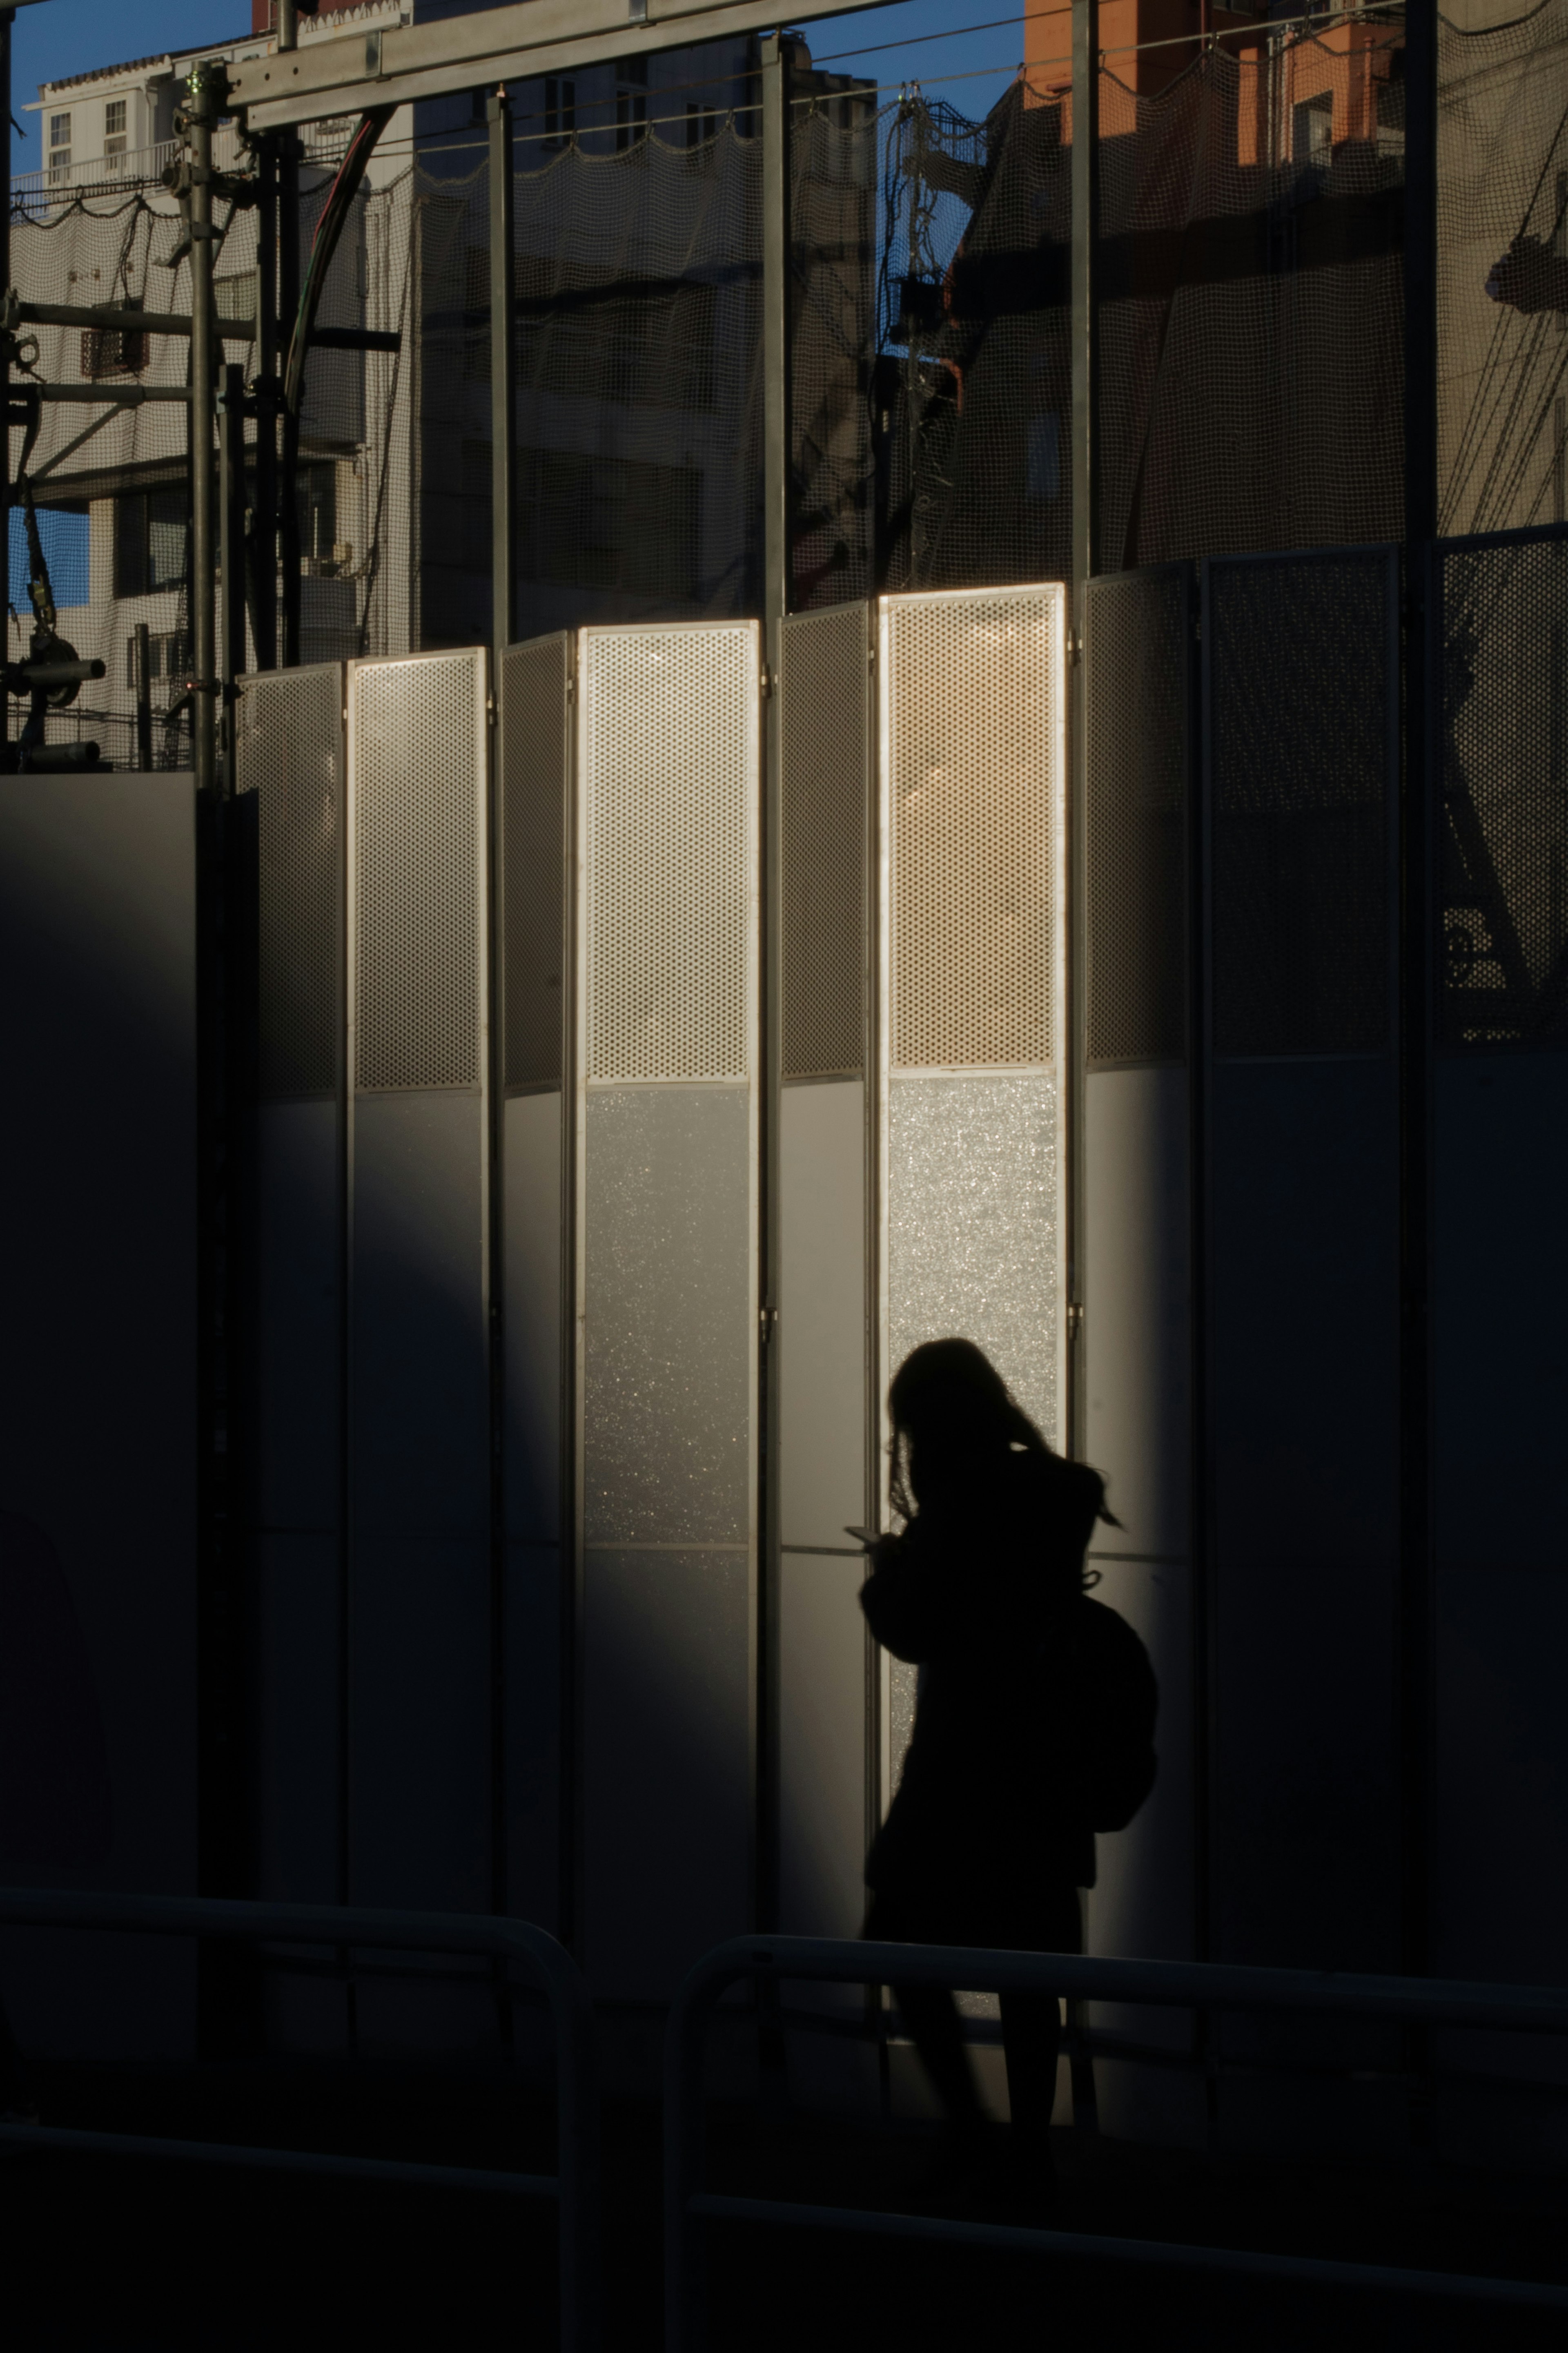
{"x":971,"y":725}
{"x":1137,"y":668}
{"x":535,"y":755}
{"x":669,"y":774}
{"x":1304,"y":686}
{"x":1502,"y":861}
{"x":824,"y":723}
{"x":289,"y":745}
{"x":417,"y":759}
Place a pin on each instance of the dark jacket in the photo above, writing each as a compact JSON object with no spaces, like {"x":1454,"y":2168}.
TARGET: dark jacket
{"x":972,"y":1593}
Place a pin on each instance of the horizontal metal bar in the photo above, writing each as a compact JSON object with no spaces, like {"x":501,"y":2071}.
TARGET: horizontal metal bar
{"x":392,"y":2170}
{"x":1182,"y":1985}
{"x":110,"y":315}
{"x":576,"y":2187}
{"x":1301,"y":2271}
{"x":495,"y":45}
{"x":290,"y":1923}
{"x":130,"y":395}
{"x":356,"y":339}
{"x":107,"y":318}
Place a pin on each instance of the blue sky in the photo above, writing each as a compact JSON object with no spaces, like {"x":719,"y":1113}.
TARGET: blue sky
{"x":67,"y":37}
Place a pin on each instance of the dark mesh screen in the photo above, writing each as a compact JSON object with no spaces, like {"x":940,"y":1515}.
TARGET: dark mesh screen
{"x":824,"y":676}
{"x":289,"y":740}
{"x":1502,"y":859}
{"x":835,"y":130}
{"x":1303,"y":760}
{"x":536,"y":774}
{"x":1251,"y":280}
{"x":1138,"y":635}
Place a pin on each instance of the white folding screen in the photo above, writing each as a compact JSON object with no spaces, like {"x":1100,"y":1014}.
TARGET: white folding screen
{"x":665,"y":1306}
{"x":420,"y":1729}
{"x":920,"y":1143}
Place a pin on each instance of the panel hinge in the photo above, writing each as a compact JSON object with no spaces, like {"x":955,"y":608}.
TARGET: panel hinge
{"x":1198,"y":628}
{"x":1075,"y":1318}
{"x":765,"y":679}
{"x":1075,"y":645}
{"x":767,"y":1323}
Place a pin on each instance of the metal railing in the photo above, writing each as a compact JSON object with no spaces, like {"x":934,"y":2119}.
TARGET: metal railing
{"x":575,"y":2185}
{"x":688,"y":2207}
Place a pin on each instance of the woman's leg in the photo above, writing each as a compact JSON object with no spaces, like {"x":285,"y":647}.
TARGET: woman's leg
{"x":1032,"y":2038}
{"x":1032,"y":2022}
{"x":930,"y":2015}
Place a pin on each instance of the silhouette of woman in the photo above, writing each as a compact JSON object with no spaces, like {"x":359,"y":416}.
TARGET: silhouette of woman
{"x":983,"y":1843}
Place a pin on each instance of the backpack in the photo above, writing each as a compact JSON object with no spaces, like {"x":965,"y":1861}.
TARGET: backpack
{"x":1108,"y":1699}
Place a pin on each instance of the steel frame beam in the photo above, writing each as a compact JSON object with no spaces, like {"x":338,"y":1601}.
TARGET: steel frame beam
{"x":409,"y":61}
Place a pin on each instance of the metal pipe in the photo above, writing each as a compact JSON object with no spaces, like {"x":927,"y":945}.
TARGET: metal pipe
{"x":503,"y":613}
{"x":231,"y":544}
{"x":503,"y":369}
{"x":550,"y":1966}
{"x":289,"y":153}
{"x":117,"y":315}
{"x":129,"y":395}
{"x":1085,"y":188}
{"x":288,"y":23}
{"x":1163,"y":2254}
{"x":395,"y":2172}
{"x":1420,"y":773}
{"x":262,"y":549}
{"x":776,"y":52}
{"x":7,"y":22}
{"x":203,"y":96}
{"x":144,"y":643}
{"x":1526,"y":2009}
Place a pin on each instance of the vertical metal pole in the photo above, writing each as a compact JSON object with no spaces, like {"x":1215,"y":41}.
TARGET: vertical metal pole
{"x":1422,"y":769}
{"x":498,"y":114}
{"x":264,"y":507}
{"x":143,"y":697}
{"x":503,"y":405}
{"x":289,"y":469}
{"x":201,"y":110}
{"x":231,"y":553}
{"x":287,"y":24}
{"x":776,"y":56}
{"x":1085,"y":563}
{"x":7,"y":20}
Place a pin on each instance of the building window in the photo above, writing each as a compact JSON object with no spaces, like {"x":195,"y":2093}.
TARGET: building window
{"x":631,"y":118}
{"x":1312,"y":131}
{"x":114,"y":131}
{"x":560,"y":113}
{"x":113,"y":350}
{"x":702,"y":130}
{"x":149,"y":541}
{"x":168,"y":656}
{"x":59,"y":147}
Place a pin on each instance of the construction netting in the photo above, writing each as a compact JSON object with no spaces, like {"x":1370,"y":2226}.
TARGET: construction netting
{"x":1249,"y":274}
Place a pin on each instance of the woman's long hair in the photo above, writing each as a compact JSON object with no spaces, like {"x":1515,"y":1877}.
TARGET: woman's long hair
{"x":949,"y":1402}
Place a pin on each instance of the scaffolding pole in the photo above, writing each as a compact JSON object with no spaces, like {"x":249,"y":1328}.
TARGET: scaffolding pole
{"x":202,"y":101}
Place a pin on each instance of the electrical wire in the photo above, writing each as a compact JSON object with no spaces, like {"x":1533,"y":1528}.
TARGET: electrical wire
{"x":324,"y":243}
